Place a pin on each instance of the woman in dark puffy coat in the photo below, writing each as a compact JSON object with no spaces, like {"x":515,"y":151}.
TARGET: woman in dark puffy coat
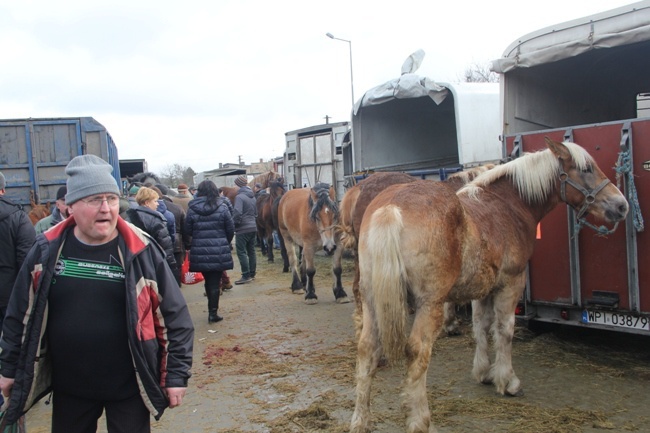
{"x":209,"y":223}
{"x":146,"y":218}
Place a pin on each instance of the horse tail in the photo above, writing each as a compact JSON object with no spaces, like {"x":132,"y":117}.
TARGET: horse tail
{"x":388,"y":286}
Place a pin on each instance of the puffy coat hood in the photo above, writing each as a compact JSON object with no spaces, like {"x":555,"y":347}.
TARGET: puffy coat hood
{"x":201,"y":206}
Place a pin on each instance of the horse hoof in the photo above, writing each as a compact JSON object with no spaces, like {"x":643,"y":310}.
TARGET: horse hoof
{"x":298,"y":291}
{"x":343,"y":300}
{"x":311,"y":301}
{"x":519,"y":393}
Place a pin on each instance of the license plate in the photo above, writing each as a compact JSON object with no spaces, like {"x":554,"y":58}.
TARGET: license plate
{"x":615,"y":319}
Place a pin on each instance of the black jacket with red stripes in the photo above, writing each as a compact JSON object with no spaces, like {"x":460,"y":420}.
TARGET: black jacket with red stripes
{"x":160,"y":327}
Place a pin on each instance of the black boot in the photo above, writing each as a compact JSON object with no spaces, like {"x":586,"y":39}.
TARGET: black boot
{"x":213,"y":317}
{"x":213,"y":305}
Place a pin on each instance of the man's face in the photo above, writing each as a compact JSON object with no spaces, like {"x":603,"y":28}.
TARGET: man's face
{"x":62,"y":207}
{"x":96,"y":218}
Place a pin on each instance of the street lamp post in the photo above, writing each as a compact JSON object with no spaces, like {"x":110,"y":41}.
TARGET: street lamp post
{"x":331,"y":36}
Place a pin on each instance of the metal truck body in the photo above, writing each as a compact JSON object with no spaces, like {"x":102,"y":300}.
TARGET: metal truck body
{"x":427,"y":129}
{"x":314,"y":154}
{"x":586,"y":81}
{"x":35,"y":152}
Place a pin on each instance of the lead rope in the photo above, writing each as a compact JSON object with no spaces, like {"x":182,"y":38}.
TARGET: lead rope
{"x":624,"y":168}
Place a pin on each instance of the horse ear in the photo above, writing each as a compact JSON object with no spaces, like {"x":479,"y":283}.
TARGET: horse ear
{"x":558,"y":149}
{"x":332,"y":193}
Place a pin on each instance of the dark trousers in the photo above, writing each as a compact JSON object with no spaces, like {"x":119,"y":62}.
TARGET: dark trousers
{"x":212,"y":282}
{"x":245,"y":246}
{"x":72,"y":414}
{"x":179,"y":257}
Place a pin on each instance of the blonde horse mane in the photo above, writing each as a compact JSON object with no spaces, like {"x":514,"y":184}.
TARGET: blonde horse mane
{"x":533,"y":174}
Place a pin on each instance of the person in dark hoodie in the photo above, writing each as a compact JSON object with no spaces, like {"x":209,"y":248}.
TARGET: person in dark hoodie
{"x":181,"y":240}
{"x":210,"y":225}
{"x":244,"y":215}
{"x":16,"y":238}
{"x":148,"y":219}
{"x":59,"y":213}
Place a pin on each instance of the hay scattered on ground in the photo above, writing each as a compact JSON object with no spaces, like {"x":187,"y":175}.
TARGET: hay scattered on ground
{"x":516,"y":417}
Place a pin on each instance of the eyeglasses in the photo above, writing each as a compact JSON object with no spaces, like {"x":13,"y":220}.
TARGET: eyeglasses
{"x":96,"y":202}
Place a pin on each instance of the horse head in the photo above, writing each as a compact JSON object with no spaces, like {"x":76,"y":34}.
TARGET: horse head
{"x":584,"y":186}
{"x":325,"y":213}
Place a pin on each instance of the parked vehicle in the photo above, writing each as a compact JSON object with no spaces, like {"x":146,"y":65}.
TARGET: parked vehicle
{"x":427,"y":129}
{"x":35,"y":152}
{"x":586,"y":81}
{"x":314,"y":154}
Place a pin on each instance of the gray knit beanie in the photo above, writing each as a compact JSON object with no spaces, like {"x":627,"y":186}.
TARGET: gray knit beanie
{"x":2,"y":181}
{"x":89,"y":175}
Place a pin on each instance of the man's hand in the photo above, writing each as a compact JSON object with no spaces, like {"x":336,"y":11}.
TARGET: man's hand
{"x":175,"y":395}
{"x":6,"y":383}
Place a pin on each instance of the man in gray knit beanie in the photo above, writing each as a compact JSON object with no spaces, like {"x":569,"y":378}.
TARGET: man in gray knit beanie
{"x":89,"y":175}
{"x":97,"y":287}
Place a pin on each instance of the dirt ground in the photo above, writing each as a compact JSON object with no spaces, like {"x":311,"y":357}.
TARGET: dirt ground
{"x":277,"y":365}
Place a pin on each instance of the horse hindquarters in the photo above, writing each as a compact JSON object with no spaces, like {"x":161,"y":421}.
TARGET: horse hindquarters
{"x":383,"y":293}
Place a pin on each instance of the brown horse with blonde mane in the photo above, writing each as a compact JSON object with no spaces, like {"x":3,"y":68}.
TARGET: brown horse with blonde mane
{"x":433,"y":243}
{"x":307,"y":219}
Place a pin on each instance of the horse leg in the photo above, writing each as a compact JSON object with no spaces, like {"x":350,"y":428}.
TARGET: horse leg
{"x":309,"y":270}
{"x":296,"y":284}
{"x":451,"y":322}
{"x":269,"y":246}
{"x":505,"y":379}
{"x":284,"y":254}
{"x":339,"y":294}
{"x":358,"y":309}
{"x":482,"y":318}
{"x":368,"y":353}
{"x":426,"y":327}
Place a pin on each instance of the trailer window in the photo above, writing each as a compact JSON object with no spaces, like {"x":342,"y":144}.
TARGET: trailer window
{"x":643,"y":105}
{"x":339,"y":150}
{"x":291,"y":156}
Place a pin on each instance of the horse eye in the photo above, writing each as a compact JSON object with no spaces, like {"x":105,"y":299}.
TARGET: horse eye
{"x":588,"y":169}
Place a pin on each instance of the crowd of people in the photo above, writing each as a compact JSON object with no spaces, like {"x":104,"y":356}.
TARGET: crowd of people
{"x":91,"y":309}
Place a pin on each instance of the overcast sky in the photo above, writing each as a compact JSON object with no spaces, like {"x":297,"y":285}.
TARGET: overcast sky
{"x":203,"y":82}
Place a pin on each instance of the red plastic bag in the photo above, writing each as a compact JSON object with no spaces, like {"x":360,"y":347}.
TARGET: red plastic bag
{"x":188,"y":277}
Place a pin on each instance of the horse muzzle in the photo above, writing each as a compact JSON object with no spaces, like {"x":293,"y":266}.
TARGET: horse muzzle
{"x":329,"y":249}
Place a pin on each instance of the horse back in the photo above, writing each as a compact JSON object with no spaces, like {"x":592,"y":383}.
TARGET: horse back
{"x":371,"y":187}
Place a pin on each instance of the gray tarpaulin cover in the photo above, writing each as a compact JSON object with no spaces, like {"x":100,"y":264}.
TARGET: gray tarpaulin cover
{"x":408,"y":85}
{"x":622,"y":26}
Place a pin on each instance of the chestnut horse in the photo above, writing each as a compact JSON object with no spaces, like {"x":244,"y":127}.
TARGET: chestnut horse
{"x":265,"y":226}
{"x":307,"y":219}
{"x":431,"y":242}
{"x":37,"y":211}
{"x":353,"y":206}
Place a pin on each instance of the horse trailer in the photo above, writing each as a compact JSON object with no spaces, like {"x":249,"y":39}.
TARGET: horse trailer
{"x":314,"y":154}
{"x":427,"y":129}
{"x":35,"y":152}
{"x":586,"y":81}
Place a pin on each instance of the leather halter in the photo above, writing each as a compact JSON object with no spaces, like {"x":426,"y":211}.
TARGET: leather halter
{"x":590,"y":195}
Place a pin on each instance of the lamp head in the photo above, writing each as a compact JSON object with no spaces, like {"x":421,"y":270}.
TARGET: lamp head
{"x":329,"y":35}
